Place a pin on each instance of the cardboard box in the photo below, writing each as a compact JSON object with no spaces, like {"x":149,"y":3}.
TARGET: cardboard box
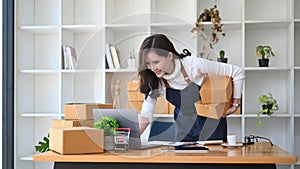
{"x":215,"y":110}
{"x":135,"y":96}
{"x":171,"y":108}
{"x":134,"y":105}
{"x":161,"y":106}
{"x":76,"y":140}
{"x":133,"y":85}
{"x":72,"y":123}
{"x":216,"y":89}
{"x":82,"y":111}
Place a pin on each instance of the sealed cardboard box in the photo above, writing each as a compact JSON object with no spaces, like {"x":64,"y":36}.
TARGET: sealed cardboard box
{"x":134,"y":105}
{"x":216,"y":89}
{"x":76,"y":140}
{"x":72,"y":123}
{"x":212,"y":110}
{"x":171,"y":108}
{"x":82,"y":111}
{"x":161,"y":106}
{"x":135,"y":96}
{"x":133,"y":85}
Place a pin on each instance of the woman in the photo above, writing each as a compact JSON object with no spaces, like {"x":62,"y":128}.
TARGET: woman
{"x":163,"y":71}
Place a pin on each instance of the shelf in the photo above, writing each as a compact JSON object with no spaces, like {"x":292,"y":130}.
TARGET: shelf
{"x":82,"y":71}
{"x":27,"y":158}
{"x":33,"y":71}
{"x":40,"y":115}
{"x":269,"y":24}
{"x":268,"y":69}
{"x":127,"y":27}
{"x":172,"y":26}
{"x":254,"y":115}
{"x":121,"y":70}
{"x":40,"y":29}
{"x":82,"y":28}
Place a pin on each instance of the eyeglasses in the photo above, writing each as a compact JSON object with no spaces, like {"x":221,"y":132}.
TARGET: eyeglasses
{"x":251,"y":139}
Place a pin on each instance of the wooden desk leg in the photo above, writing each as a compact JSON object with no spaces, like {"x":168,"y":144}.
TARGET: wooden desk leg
{"x":78,"y":165}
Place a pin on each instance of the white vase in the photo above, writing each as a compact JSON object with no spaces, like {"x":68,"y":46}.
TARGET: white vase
{"x":131,"y":63}
{"x":109,"y":143}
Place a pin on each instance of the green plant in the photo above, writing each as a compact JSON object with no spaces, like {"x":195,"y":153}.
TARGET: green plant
{"x":269,"y":105}
{"x":222,"y":54}
{"x":107,"y":124}
{"x":264,"y":52}
{"x":43,"y":145}
{"x":212,"y":15}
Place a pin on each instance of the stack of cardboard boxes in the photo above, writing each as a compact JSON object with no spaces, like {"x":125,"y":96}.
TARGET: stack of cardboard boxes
{"x":216,"y":96}
{"x":136,"y":99}
{"x":76,"y":133}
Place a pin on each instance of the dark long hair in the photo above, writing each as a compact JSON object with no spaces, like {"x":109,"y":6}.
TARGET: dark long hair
{"x":160,"y":45}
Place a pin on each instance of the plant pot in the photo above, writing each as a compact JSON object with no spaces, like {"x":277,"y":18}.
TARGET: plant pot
{"x":263,"y":62}
{"x":223,"y":60}
{"x":205,"y":17}
{"x":269,"y":107}
{"x":109,"y":143}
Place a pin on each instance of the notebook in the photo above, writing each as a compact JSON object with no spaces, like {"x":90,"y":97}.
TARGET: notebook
{"x":127,"y":119}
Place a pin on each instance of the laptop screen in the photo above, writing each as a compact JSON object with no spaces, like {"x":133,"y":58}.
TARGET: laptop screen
{"x":126,"y":119}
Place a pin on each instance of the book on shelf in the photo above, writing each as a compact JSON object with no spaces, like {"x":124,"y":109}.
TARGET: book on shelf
{"x":108,"y":57}
{"x":69,"y":57}
{"x":115,"y":57}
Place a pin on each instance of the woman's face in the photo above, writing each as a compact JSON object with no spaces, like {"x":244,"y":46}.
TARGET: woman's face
{"x":160,"y":65}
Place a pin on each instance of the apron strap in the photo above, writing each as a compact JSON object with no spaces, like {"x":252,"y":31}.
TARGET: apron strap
{"x":185,"y":76}
{"x":166,"y":83}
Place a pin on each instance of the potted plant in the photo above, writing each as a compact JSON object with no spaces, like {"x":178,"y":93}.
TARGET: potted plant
{"x":269,"y":105}
{"x":221,"y":57}
{"x":264,"y":53}
{"x":210,"y":15}
{"x":43,"y":145}
{"x":108,"y":125}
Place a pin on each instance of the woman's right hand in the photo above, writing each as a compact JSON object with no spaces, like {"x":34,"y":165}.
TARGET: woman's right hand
{"x":143,"y":123}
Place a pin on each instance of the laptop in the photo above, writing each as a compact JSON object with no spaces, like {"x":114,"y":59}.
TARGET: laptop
{"x":127,"y":119}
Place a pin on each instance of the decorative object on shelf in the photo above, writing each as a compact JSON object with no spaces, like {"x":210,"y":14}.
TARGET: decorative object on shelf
{"x":204,"y":54}
{"x":210,"y":15}
{"x":264,"y":53}
{"x":222,"y":57}
{"x":131,"y":60}
{"x":43,"y":145}
{"x":269,"y":105}
{"x":108,"y":125}
{"x":116,"y":98}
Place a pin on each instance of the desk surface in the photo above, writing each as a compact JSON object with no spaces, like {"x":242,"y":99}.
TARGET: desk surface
{"x":261,"y":153}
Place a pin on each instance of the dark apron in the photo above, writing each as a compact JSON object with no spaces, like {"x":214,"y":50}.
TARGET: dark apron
{"x":188,"y":125}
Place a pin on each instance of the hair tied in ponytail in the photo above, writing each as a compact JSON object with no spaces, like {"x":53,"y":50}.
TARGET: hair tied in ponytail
{"x":186,"y":52}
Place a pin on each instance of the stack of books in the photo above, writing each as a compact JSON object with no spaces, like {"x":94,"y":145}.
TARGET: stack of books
{"x":69,"y":59}
{"x":112,"y":56}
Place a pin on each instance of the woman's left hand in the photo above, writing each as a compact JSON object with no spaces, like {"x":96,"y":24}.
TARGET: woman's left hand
{"x":231,"y":110}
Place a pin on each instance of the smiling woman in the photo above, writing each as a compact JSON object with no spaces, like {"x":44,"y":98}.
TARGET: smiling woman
{"x":178,"y":78}
{"x":160,"y":65}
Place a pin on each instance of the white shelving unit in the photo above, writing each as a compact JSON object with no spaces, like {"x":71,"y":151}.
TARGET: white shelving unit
{"x":42,"y":86}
